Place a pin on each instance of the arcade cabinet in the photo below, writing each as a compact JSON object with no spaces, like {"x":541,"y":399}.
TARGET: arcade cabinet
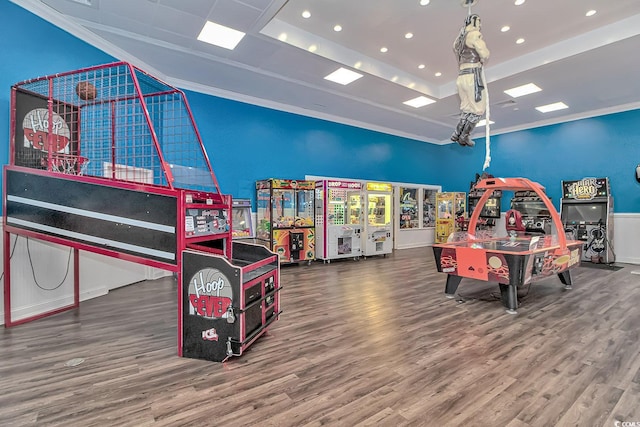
{"x":378,"y":228}
{"x":108,"y":159}
{"x":513,"y":261}
{"x":242,"y":227}
{"x":492,"y":208}
{"x":587,"y":213}
{"x":285,"y":217}
{"x":339,"y":221}
{"x":451,"y":214}
{"x":532,"y":211}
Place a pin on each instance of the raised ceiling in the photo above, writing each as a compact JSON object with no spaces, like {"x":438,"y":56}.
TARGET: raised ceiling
{"x":589,"y":63}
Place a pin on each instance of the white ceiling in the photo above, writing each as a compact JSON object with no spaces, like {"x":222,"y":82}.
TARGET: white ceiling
{"x":590,"y":63}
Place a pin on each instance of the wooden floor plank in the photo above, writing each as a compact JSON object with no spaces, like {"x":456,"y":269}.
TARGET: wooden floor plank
{"x":360,"y":343}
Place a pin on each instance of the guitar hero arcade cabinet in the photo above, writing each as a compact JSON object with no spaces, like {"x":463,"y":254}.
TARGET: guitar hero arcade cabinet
{"x":587,"y":213}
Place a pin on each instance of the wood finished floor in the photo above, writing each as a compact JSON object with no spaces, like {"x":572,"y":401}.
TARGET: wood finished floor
{"x":373,"y":342}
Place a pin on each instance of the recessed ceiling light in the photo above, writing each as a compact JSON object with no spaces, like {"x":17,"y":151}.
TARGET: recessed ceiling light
{"x":590,"y":13}
{"x":282,"y":37}
{"x":220,"y":35}
{"x":343,"y":76}
{"x":483,"y":122}
{"x":394,"y":79}
{"x":505,"y":28}
{"x":408,"y":35}
{"x":552,"y":107}
{"x":337,"y":28}
{"x":522,"y":90}
{"x":438,"y":74}
{"x":418,"y":102}
{"x":306,"y":14}
{"x":84,"y":2}
{"x":421,"y":66}
{"x":424,"y":2}
{"x":313,"y":48}
{"x":357,"y":65}
{"x":519,"y":2}
{"x":520,"y":41}
{"x":384,"y":50}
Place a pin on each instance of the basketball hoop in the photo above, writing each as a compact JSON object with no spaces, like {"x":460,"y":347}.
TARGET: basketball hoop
{"x":69,"y":164}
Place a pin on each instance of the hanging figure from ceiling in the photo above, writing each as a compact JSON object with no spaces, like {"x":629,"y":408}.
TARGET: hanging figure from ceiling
{"x":471,"y":52}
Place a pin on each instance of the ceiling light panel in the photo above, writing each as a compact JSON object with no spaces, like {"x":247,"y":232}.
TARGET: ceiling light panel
{"x":219,"y":35}
{"x":343,"y":76}
{"x":418,"y":102}
{"x":522,"y":90}
{"x":552,"y":107}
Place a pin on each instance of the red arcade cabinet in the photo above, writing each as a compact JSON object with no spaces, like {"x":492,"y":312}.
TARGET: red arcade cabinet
{"x":108,"y":159}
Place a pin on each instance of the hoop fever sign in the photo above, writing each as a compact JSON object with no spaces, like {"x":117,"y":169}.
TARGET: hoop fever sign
{"x":210,"y":294}
{"x":35,"y":126}
{"x":38,"y":129}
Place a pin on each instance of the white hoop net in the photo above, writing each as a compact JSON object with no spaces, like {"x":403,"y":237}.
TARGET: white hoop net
{"x":68,"y":164}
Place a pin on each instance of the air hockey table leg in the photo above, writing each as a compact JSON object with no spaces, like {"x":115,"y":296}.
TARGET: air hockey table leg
{"x":565,"y":278}
{"x":509,"y":296}
{"x":452,"y":285}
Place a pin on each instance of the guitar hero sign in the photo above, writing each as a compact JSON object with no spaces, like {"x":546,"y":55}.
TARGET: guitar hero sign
{"x":585,"y":189}
{"x":210,"y":294}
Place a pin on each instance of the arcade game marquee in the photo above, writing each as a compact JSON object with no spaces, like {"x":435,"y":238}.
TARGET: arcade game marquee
{"x":512,"y":261}
{"x":108,"y":159}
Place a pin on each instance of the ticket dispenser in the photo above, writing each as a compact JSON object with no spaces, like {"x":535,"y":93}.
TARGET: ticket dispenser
{"x":587,"y":215}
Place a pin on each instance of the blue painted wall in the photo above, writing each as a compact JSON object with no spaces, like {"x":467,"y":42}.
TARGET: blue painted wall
{"x":246,"y":143}
{"x":605,"y":146}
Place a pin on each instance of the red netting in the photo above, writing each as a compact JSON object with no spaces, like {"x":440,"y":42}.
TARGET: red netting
{"x":124,"y":123}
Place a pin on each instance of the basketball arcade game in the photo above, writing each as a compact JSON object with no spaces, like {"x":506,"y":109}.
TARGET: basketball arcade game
{"x":513,"y":261}
{"x":339,"y":224}
{"x":108,"y":159}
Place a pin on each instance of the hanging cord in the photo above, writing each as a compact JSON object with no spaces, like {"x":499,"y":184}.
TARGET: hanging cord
{"x":487,"y":127}
{"x":15,"y":242}
{"x":33,"y":271}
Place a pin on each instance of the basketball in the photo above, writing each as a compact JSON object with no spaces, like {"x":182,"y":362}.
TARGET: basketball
{"x":86,"y":91}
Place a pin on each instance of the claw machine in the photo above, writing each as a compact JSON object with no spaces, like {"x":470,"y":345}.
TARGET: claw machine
{"x":285,"y":217}
{"x":378,"y":229}
{"x":451,"y":213}
{"x":339,"y":222}
{"x":241,"y":224}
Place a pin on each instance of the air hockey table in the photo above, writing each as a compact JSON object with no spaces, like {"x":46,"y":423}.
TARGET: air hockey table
{"x":512,"y":261}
